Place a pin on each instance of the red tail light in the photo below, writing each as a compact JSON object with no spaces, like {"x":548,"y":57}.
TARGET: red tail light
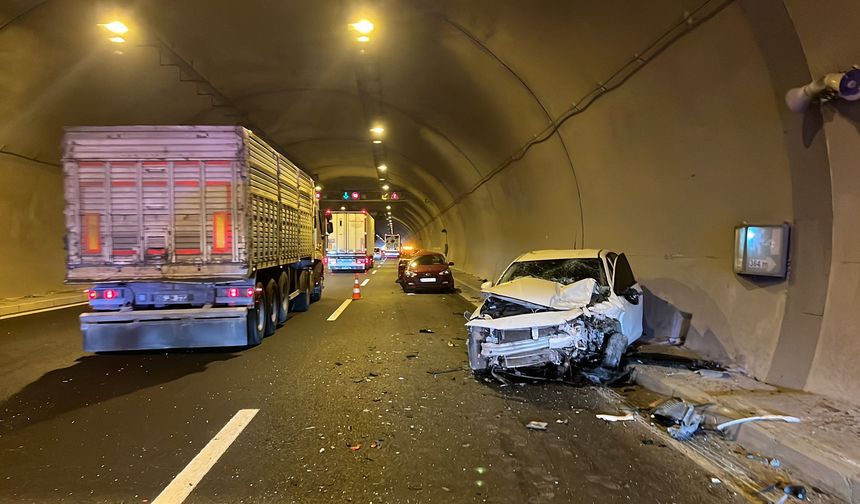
{"x":92,"y":293}
{"x":250,"y":292}
{"x":232,"y":292}
{"x":325,"y":260}
{"x":111,"y":294}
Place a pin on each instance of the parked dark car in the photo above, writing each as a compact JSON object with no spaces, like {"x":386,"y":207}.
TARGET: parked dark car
{"x":428,"y":271}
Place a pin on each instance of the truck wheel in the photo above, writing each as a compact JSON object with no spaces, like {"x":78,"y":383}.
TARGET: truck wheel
{"x":302,"y":302}
{"x":283,"y":298}
{"x":616,"y":344}
{"x":272,"y":307}
{"x":257,"y":317}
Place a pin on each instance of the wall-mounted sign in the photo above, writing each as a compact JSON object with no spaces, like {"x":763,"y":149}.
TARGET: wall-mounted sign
{"x":762,"y":250}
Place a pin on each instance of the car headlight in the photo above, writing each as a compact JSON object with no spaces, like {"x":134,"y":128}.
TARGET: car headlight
{"x":446,"y":272}
{"x":410,"y":273}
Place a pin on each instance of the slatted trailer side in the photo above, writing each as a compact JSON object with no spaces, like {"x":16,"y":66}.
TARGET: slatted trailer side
{"x":196,"y":235}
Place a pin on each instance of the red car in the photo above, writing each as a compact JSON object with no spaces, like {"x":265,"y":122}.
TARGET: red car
{"x":428,"y":271}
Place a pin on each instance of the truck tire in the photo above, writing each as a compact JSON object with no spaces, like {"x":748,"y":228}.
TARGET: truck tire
{"x":302,"y":302}
{"x":257,"y":317}
{"x":272,"y":307}
{"x":283,"y":297}
{"x":616,"y":344}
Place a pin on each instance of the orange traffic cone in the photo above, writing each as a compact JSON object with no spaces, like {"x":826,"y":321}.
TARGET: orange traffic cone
{"x":356,"y":289}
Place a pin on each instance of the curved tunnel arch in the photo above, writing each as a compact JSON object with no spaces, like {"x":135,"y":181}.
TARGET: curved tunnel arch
{"x":656,"y":161}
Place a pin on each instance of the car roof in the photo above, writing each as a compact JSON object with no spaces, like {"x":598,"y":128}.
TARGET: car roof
{"x":543,"y":255}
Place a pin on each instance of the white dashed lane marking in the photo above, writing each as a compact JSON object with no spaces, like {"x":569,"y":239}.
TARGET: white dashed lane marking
{"x":184,"y":483}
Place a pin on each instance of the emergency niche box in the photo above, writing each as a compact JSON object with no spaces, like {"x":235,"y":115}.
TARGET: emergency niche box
{"x":762,"y":250}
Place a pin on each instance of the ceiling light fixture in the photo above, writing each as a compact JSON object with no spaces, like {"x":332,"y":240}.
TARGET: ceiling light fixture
{"x":377,"y":130}
{"x":117,"y":40}
{"x":363,"y":39}
{"x":382,"y":167}
{"x":117,"y":27}
{"x":362,"y":26}
{"x":377,"y":141}
{"x":388,"y":207}
{"x":318,"y":188}
{"x":385,"y":187}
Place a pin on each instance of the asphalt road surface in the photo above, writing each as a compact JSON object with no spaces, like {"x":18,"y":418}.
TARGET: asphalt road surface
{"x":350,"y":410}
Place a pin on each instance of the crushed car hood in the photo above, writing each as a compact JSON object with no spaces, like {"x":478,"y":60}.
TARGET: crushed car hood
{"x":528,"y":320}
{"x":565,"y":302}
{"x":546,"y":293}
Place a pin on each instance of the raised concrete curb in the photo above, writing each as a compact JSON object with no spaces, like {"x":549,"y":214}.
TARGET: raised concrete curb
{"x":469,"y":286}
{"x":14,"y":306}
{"x":824,"y":447}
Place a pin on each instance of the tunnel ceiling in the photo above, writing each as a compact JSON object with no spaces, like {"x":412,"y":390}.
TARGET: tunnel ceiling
{"x":458,"y":86}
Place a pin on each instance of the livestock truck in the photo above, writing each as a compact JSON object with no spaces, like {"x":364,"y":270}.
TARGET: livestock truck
{"x":350,"y":244}
{"x":192,"y":236}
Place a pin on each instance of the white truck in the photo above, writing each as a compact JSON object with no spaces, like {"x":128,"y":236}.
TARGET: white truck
{"x":392,"y":246}
{"x":350,"y":241}
{"x":194,"y":236}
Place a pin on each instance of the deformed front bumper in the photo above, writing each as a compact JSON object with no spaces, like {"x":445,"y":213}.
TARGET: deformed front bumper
{"x":161,"y":329}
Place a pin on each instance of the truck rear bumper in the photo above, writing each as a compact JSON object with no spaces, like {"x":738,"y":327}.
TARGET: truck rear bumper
{"x":160,"y":329}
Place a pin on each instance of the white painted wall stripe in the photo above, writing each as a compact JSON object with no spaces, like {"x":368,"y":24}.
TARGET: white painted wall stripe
{"x":339,"y":310}
{"x":366,"y":280}
{"x":184,"y":483}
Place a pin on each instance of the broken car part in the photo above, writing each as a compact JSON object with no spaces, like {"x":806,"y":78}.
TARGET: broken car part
{"x":763,"y":418}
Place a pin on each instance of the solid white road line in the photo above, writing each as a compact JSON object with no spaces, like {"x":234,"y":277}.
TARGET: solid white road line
{"x":366,"y":280}
{"x":33,"y":312}
{"x":339,"y":310}
{"x":185,"y":482}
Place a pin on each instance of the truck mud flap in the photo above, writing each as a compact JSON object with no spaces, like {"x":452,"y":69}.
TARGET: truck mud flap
{"x":162,"y":329}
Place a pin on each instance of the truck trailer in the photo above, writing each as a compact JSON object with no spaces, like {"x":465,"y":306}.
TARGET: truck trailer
{"x":392,"y":246}
{"x":350,"y":243}
{"x":192,"y":236}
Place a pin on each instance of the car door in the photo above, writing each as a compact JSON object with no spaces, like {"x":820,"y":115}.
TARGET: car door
{"x":623,"y":288}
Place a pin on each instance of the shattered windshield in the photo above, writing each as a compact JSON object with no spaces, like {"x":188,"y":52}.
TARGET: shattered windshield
{"x":563,"y":271}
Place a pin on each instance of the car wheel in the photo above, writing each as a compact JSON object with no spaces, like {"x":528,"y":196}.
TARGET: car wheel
{"x":257,"y":317}
{"x":272,"y":307}
{"x":616,"y":344}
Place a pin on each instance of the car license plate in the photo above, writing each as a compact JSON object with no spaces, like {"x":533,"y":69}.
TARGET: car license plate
{"x":428,"y":280}
{"x":174,"y":298}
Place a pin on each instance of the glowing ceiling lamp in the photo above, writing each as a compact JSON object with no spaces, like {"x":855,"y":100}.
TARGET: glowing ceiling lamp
{"x":117,"y":27}
{"x":362,"y":26}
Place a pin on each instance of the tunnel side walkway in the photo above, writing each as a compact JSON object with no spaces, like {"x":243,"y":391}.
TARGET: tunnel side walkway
{"x":824,"y":446}
{"x":15,"y":306}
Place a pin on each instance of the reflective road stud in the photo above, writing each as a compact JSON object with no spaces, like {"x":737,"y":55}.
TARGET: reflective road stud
{"x":356,"y":289}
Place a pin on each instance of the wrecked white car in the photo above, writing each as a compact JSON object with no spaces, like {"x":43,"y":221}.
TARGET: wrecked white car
{"x":562,"y":308}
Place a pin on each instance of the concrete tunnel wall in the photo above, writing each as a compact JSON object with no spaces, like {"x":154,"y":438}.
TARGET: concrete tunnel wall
{"x":662,"y":168}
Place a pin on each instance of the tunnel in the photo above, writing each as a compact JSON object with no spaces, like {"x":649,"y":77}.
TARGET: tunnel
{"x":486,"y":129}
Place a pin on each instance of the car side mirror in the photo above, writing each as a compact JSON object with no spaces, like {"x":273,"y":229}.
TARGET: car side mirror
{"x":486,"y":285}
{"x":450,"y":264}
